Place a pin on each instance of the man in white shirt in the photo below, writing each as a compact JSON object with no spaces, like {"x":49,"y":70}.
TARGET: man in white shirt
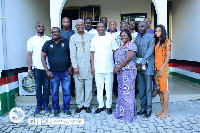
{"x":88,"y":27}
{"x":102,"y":50}
{"x":132,"y":30}
{"x":112,"y":31}
{"x":34,"y":47}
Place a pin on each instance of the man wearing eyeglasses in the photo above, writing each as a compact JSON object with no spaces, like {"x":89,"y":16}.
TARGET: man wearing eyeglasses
{"x":57,"y":50}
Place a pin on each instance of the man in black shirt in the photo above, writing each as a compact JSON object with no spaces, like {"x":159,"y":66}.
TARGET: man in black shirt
{"x":60,"y":70}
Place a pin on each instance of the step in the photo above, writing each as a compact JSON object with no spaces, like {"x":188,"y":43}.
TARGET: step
{"x":20,"y":100}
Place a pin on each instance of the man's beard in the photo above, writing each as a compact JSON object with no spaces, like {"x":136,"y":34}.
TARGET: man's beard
{"x":41,"y":32}
{"x":88,"y":28}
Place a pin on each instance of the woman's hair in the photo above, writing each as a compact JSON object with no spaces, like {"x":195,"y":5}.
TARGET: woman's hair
{"x":128,"y":33}
{"x":163,"y":36}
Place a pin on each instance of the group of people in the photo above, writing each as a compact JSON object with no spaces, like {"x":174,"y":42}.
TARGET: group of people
{"x":113,"y":58}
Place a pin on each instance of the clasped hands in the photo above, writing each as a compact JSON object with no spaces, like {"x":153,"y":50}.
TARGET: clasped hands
{"x":116,"y":69}
{"x":139,"y":67}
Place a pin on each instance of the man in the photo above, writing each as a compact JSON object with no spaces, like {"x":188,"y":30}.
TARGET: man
{"x":145,"y":44}
{"x":66,"y":33}
{"x":102,"y":48}
{"x":57,"y":50}
{"x":132,"y":30}
{"x":112,"y":31}
{"x":104,"y":20}
{"x":151,"y":31}
{"x":34,"y":47}
{"x":88,"y":27}
{"x":80,"y":58}
{"x":123,"y":26}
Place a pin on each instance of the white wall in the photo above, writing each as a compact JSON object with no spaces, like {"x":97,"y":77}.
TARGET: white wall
{"x":1,"y":44}
{"x":186,"y":31}
{"x":21,"y":17}
{"x":112,"y":9}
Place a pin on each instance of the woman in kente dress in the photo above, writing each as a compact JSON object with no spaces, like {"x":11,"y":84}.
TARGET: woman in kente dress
{"x":162,"y":69}
{"x":126,"y":74}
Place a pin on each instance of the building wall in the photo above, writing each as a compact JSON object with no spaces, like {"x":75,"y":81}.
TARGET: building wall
{"x":185,"y":46}
{"x":186,"y":30}
{"x":112,"y":9}
{"x":1,"y":44}
{"x":21,"y":17}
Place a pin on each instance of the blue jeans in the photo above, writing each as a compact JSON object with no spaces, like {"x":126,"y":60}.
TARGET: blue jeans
{"x":41,"y":78}
{"x":55,"y":83}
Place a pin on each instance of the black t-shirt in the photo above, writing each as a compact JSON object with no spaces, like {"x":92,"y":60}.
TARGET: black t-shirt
{"x":58,"y":55}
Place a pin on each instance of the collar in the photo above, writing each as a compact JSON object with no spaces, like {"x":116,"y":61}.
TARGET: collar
{"x":150,"y":32}
{"x":125,"y":44}
{"x":41,"y":36}
{"x":89,"y":30}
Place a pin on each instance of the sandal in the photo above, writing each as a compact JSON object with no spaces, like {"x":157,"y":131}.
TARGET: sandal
{"x":163,"y":115}
{"x":154,"y":92}
{"x":159,"y":113}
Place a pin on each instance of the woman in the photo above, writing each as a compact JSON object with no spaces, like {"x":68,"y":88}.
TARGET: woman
{"x":162,"y":57}
{"x":125,"y":69}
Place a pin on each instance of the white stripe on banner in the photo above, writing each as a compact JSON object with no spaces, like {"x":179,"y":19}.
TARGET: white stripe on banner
{"x":13,"y":85}
{"x":8,"y":87}
{"x":184,"y":72}
{"x":2,"y":89}
{"x":0,"y":72}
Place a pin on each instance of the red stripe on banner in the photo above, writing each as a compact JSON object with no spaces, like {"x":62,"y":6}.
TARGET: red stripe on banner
{"x":7,"y":80}
{"x":185,"y":67}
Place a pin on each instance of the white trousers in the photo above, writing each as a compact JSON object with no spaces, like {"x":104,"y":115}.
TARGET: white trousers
{"x":100,"y":79}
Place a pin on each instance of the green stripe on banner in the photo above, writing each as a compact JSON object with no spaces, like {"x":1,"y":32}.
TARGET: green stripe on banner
{"x":3,"y":100}
{"x":4,"y":108}
{"x":190,"y":79}
{"x":13,"y":91}
{"x":0,"y":106}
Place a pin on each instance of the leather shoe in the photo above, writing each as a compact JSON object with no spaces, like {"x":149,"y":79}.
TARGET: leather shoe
{"x":73,"y":94}
{"x":88,"y":110}
{"x":141,"y":112}
{"x":147,"y":115}
{"x":109,"y":111}
{"x":78,"y":110}
{"x":99,"y":110}
{"x":83,"y":108}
